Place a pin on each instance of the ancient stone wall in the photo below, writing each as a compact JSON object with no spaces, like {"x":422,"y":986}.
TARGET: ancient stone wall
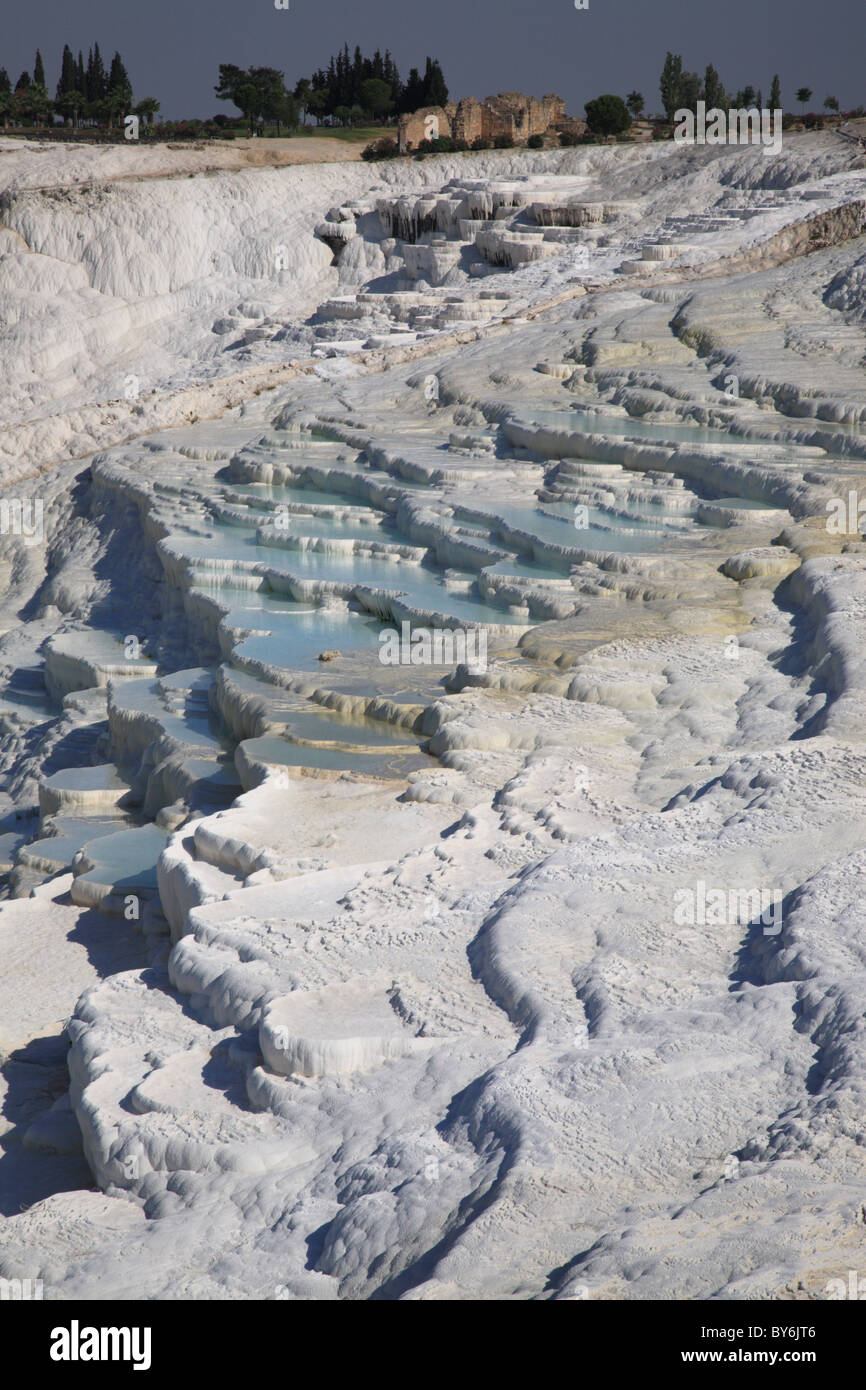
{"x":519,"y":116}
{"x":468,"y":123}
{"x":512,"y":114}
{"x":427,"y":124}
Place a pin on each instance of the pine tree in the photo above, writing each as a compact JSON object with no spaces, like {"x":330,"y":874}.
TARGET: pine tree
{"x":31,"y":101}
{"x":634,"y":102}
{"x":38,"y":71}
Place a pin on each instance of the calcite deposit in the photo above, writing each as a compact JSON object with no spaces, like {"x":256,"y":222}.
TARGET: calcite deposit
{"x":536,"y":977}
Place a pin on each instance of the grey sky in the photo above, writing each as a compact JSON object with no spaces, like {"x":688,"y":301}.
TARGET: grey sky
{"x":172,"y":48}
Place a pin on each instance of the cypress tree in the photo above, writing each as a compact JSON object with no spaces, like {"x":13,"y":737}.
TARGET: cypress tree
{"x":118,"y":78}
{"x":392,"y":76}
{"x":67,"y":80}
{"x":66,"y":96}
{"x":97,"y":82}
{"x":334,"y":83}
{"x":775,"y":94}
{"x":119,"y":92}
{"x":714,"y":92}
{"x":348,"y":71}
{"x":670,"y":84}
{"x":38,"y":71}
{"x":435,"y":90}
{"x":5,"y":84}
{"x":413,"y":93}
{"x":80,"y":89}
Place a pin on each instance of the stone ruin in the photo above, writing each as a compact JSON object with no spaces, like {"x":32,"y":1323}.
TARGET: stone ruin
{"x":511,"y":114}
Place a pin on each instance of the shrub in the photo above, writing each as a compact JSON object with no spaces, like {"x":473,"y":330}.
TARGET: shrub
{"x":459,"y":145}
{"x":568,"y":137}
{"x":383,"y":148}
{"x":443,"y":144}
{"x":503,"y":142}
{"x":536,"y":142}
{"x":481,"y":143}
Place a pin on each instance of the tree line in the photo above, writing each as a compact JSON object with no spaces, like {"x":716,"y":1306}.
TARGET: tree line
{"x":371,"y":86}
{"x":350,"y":90}
{"x":681,"y":90}
{"x":86,"y":93}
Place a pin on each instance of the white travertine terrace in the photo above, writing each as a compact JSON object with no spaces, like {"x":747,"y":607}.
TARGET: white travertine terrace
{"x":346,"y":1028}
{"x":376,"y":980}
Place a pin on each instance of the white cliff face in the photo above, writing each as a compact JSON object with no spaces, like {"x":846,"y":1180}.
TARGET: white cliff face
{"x":450,"y":979}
